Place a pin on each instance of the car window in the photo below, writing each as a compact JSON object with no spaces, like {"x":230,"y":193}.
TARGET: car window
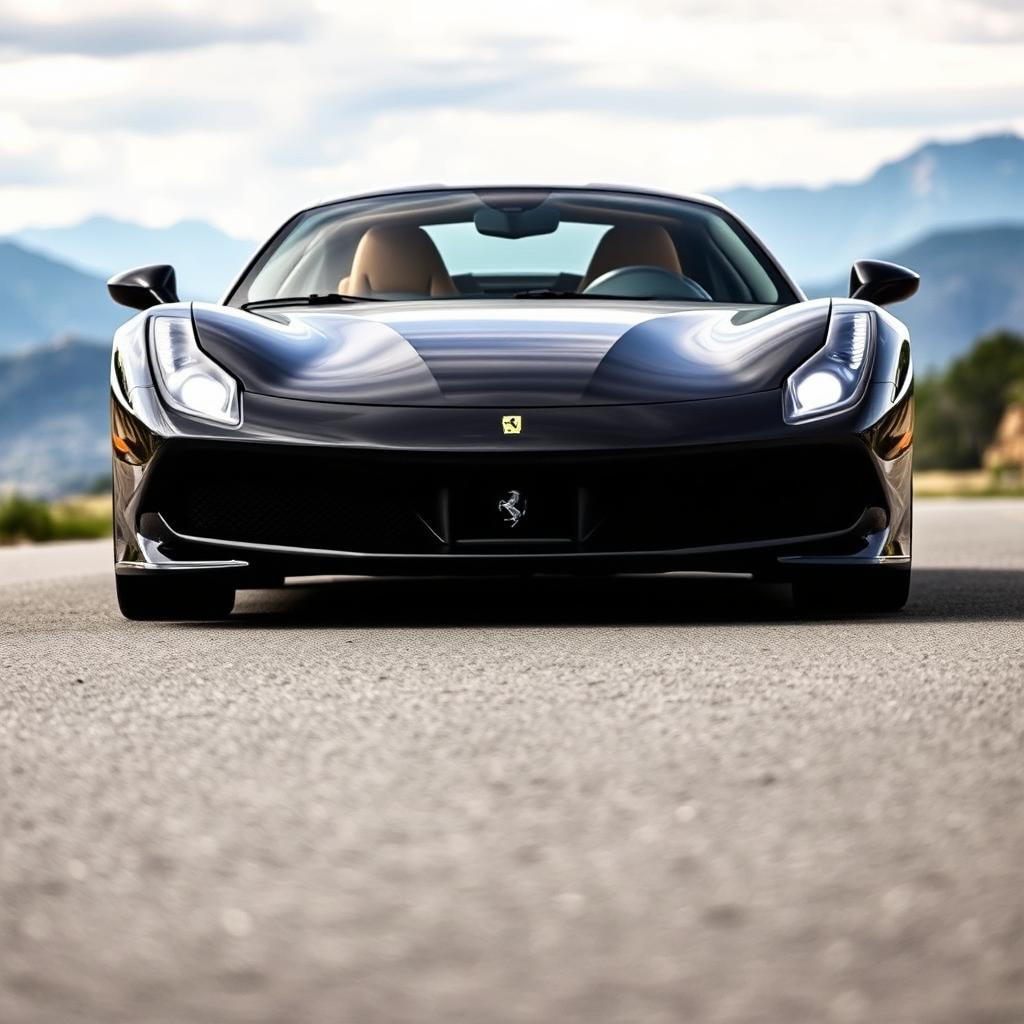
{"x":566,"y":250}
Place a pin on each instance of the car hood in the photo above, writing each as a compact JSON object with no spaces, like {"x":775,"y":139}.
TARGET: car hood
{"x":516,"y":354}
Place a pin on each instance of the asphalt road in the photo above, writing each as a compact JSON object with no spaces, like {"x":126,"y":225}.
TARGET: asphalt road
{"x":634,"y":800}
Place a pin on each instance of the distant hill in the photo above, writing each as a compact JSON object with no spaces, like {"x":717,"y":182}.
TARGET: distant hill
{"x":41,"y":298}
{"x":817,"y":232}
{"x":54,"y":434}
{"x":972,"y":282}
{"x":53,"y":397}
{"x":205,"y":258}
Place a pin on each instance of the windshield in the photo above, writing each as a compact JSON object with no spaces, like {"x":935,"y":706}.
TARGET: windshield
{"x":524,"y":243}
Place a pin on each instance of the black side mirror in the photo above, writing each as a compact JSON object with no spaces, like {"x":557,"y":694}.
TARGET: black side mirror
{"x":882,"y":283}
{"x":144,"y":286}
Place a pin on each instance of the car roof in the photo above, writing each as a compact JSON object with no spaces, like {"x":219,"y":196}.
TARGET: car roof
{"x":636,"y":190}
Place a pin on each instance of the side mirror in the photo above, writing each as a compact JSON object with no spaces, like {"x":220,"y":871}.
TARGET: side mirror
{"x":144,"y":287}
{"x":882,"y":283}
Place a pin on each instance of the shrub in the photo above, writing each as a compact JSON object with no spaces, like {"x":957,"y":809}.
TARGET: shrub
{"x":82,"y":518}
{"x":27,"y":519}
{"x":24,"y":518}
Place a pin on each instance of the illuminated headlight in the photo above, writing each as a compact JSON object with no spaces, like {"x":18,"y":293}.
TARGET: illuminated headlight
{"x":833,"y":378}
{"x":192,"y":382}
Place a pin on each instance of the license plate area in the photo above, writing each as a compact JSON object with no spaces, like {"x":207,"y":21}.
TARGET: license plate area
{"x":514,"y":512}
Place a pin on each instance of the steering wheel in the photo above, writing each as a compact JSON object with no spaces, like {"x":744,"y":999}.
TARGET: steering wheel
{"x":643,"y":282}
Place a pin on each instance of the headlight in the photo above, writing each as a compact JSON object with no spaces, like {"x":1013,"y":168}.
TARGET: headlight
{"x":833,"y":378}
{"x":191,"y":381}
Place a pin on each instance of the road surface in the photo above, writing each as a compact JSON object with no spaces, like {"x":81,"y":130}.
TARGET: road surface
{"x":636,"y":800}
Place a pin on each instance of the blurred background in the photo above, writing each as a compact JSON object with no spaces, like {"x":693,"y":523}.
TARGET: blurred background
{"x":185,"y":132}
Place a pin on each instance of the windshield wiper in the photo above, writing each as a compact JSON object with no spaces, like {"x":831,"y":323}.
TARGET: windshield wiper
{"x":328,"y":299}
{"x":547,"y":293}
{"x":554,"y":293}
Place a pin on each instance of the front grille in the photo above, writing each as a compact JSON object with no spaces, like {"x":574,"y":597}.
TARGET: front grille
{"x":389,"y":503}
{"x":291,"y":500}
{"x":742,"y":497}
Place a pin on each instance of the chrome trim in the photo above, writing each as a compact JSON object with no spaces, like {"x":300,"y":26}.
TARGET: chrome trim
{"x":845,"y":559}
{"x":131,"y":567}
{"x":154,"y":560}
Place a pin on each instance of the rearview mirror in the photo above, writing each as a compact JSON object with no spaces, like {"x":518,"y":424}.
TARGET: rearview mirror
{"x":144,"y":286}
{"x":881,"y":282}
{"x":513,"y":223}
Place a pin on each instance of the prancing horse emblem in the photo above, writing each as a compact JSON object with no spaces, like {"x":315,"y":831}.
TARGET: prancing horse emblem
{"x":510,"y":506}
{"x":512,"y":424}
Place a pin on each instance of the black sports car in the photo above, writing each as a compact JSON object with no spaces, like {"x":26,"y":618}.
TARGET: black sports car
{"x":489,"y":380}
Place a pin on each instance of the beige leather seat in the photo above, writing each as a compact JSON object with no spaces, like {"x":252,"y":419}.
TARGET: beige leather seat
{"x":633,"y":245}
{"x":402,"y":260}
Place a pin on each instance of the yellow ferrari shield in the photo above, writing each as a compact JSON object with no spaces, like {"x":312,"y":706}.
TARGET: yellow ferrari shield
{"x":512,"y":424}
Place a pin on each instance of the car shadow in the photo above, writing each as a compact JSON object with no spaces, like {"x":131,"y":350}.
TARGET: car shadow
{"x":937,"y":595}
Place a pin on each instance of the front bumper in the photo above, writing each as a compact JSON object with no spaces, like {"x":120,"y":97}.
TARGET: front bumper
{"x":309,"y":488}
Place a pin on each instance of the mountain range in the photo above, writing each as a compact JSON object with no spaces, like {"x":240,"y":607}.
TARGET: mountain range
{"x":42,"y":299}
{"x":816,"y":233}
{"x":54,"y":433}
{"x":953,"y":212}
{"x":972,"y":282}
{"x":205,"y":258}
{"x":53,"y":398}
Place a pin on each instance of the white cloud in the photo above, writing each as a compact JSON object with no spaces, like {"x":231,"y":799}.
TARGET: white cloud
{"x":242,"y":119}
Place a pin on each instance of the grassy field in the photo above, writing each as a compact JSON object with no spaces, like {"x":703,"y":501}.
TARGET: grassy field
{"x":76,"y":518}
{"x":978,"y":483}
{"x":26,"y":520}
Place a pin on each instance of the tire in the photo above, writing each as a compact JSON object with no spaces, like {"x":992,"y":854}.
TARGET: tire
{"x":855,"y":589}
{"x":147,"y":599}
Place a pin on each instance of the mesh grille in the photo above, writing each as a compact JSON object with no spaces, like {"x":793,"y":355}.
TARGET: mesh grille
{"x":292,"y":501}
{"x":385,"y":503}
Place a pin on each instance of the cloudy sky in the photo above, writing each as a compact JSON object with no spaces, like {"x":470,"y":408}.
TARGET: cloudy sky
{"x":240,"y":113}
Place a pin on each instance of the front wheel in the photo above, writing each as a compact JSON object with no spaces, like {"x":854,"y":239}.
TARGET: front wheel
{"x":155,"y":598}
{"x":876,"y":588}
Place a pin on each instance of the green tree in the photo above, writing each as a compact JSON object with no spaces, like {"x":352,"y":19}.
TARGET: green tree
{"x":958,"y":411}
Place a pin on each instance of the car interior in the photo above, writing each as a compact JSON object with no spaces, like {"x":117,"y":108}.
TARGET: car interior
{"x":477,"y":245}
